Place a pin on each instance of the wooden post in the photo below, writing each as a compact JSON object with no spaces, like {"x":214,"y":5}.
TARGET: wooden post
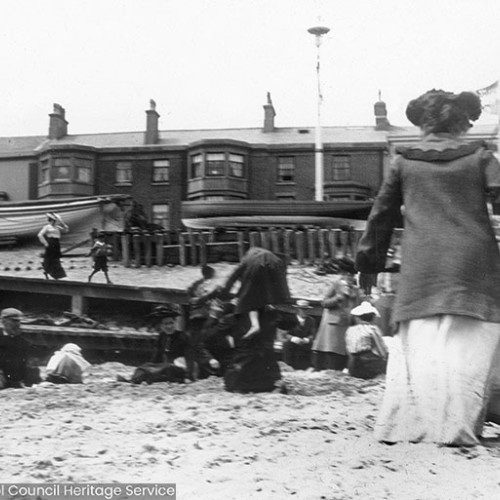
{"x":344,"y":242}
{"x":203,"y":249}
{"x":264,"y":240}
{"x":322,"y":245}
{"x":148,"y":250}
{"x":311,"y":254}
{"x":116,"y":246}
{"x":275,"y":240}
{"x":182,"y":249}
{"x":299,"y":242}
{"x":241,"y":245}
{"x":126,"y":249}
{"x":254,"y":239}
{"x":159,"y":249}
{"x":136,"y":240}
{"x":287,"y":242}
{"x":192,"y":248}
{"x":332,"y":243}
{"x":79,"y":305}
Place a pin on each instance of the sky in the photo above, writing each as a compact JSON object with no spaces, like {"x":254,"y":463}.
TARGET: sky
{"x":210,"y":63}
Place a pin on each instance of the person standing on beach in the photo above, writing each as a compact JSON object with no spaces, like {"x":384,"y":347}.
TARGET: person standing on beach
{"x":99,"y":253}
{"x":50,"y":237}
{"x":442,"y":359}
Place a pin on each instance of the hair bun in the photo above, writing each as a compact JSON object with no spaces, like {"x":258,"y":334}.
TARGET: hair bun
{"x":415,"y":111}
{"x":470,"y":103}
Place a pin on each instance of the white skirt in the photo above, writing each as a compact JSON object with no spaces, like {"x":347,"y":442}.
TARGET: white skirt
{"x":440,"y":374}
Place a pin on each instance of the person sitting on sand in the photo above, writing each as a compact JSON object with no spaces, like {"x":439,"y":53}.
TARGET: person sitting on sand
{"x":366,"y":350}
{"x":299,"y":339}
{"x":172,"y":359}
{"x":214,"y":351}
{"x":15,"y":365}
{"x":67,"y":365}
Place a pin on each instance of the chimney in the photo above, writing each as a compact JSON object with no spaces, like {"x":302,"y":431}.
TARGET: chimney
{"x":152,"y":116}
{"x":269,"y":115}
{"x":58,"y":126}
{"x":381,"y":121}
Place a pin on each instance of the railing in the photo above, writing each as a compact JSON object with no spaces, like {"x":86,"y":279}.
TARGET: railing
{"x":304,"y":246}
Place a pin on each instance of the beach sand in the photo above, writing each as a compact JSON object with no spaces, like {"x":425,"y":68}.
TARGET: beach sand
{"x":316,"y":442}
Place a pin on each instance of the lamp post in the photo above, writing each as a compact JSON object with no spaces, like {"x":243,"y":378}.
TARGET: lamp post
{"x":318,"y":32}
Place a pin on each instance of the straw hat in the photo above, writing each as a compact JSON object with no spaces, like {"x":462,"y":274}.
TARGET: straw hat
{"x":365,"y":308}
{"x":11,"y":312}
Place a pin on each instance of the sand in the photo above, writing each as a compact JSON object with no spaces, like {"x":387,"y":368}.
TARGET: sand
{"x":316,"y":442}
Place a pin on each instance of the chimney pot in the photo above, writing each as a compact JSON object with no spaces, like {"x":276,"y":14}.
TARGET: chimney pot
{"x":152,"y":116}
{"x":58,"y":126}
{"x":269,"y":114}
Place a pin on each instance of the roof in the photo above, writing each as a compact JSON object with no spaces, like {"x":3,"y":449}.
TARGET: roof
{"x":352,"y":135}
{"x":186,"y":138}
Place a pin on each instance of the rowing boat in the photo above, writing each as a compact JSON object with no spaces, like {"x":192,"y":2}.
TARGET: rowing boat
{"x":23,"y":220}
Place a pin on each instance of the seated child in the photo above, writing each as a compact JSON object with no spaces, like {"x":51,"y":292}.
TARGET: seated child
{"x":366,"y":350}
{"x":67,"y":366}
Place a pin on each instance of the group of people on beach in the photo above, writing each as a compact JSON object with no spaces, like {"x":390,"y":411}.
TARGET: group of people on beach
{"x":443,"y":370}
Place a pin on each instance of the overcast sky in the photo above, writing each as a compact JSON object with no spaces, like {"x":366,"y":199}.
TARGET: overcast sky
{"x":210,"y":63}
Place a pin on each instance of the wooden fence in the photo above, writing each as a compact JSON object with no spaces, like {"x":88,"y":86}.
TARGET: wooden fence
{"x":305,"y":246}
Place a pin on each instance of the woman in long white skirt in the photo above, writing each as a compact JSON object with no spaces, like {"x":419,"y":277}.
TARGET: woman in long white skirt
{"x":441,"y":368}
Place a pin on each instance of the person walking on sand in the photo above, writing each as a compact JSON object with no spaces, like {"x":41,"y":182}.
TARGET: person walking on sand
{"x":99,"y":253}
{"x":50,"y":237}
{"x":447,"y":308}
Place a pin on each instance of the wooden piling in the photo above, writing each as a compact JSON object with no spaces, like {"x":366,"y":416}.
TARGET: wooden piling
{"x":241,"y":245}
{"x":136,"y":242}
{"x":311,"y":253}
{"x":287,"y":245}
{"x":299,"y":242}
{"x":275,"y":240}
{"x":203,"y":249}
{"x":148,"y":250}
{"x":193,"y":250}
{"x":182,"y":249}
{"x":323,"y":254}
{"x":126,"y":249}
{"x":115,"y":242}
{"x":254,"y":239}
{"x":159,"y":239}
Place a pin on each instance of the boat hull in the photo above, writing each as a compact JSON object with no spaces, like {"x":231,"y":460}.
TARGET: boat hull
{"x":23,"y":220}
{"x":258,"y":213}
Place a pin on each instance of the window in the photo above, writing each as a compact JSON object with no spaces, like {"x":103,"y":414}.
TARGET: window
{"x":285,"y":197}
{"x":286,"y":169}
{"x":215,"y":164}
{"x":339,"y":169}
{"x":160,"y":214}
{"x":83,"y":170}
{"x":44,"y":172}
{"x":236,"y":163}
{"x":161,"y":170}
{"x":124,"y":172}
{"x":196,"y":164}
{"x":61,"y":169}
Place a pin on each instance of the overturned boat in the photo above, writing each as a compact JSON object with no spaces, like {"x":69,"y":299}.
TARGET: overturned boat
{"x":22,"y":220}
{"x":264,"y":213}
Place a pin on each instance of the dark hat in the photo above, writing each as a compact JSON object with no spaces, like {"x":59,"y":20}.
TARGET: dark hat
{"x":159,"y":312}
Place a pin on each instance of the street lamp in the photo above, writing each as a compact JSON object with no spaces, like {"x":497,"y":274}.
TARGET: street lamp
{"x":318,"y":32}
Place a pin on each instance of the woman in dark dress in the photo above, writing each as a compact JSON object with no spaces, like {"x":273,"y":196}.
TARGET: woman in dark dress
{"x":263,"y":284}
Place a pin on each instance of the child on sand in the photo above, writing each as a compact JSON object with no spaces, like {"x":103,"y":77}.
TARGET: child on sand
{"x":99,"y":253}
